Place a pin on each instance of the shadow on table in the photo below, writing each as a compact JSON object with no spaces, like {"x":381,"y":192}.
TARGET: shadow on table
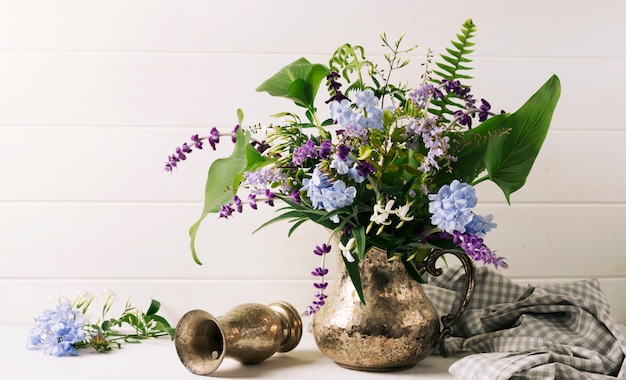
{"x":432,"y":365}
{"x":278,"y":362}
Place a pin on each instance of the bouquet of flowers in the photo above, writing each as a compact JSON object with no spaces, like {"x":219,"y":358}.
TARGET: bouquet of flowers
{"x":393,"y":166}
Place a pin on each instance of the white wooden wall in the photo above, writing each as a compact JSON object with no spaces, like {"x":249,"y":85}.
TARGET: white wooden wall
{"x":95,"y":94}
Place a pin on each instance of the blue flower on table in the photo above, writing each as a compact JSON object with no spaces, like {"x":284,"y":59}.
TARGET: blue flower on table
{"x":56,"y":331}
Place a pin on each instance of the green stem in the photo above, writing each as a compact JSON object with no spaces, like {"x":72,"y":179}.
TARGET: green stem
{"x":479,"y":180}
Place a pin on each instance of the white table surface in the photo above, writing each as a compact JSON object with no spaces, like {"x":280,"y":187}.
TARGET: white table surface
{"x":157,"y":359}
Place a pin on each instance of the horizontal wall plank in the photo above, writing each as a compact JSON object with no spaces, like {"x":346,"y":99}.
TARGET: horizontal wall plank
{"x":120,"y":240}
{"x":253,"y":26}
{"x":148,"y":240}
{"x":216,"y":297}
{"x":124,"y":89}
{"x":176,"y":296}
{"x":125,"y":165}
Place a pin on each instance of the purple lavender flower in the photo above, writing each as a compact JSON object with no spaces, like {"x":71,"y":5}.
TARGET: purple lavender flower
{"x":226,"y":210}
{"x":347,"y":229}
{"x":463,"y":118}
{"x":321,"y":250}
{"x":343,"y":151}
{"x":325,"y":148}
{"x":252,"y":201}
{"x":474,"y":247}
{"x":214,"y":137}
{"x":181,"y":154}
{"x":364,"y":168}
{"x":182,"y":151}
{"x":484,"y":110}
{"x":237,"y":204}
{"x":356,"y":132}
{"x":269,"y":197}
{"x":197,"y":141}
{"x":421,"y":96}
{"x":234,"y":132}
{"x":334,"y":87}
{"x":295,"y":196}
{"x":455,"y":87}
{"x":320,"y":285}
{"x":301,"y":154}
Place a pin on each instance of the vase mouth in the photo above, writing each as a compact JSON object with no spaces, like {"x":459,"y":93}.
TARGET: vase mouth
{"x":199,"y":342}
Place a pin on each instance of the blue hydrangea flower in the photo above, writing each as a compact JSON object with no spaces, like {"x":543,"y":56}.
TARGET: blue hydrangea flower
{"x":264,"y":178}
{"x":451,"y":207}
{"x":327,"y":195}
{"x":341,"y":112}
{"x":480,"y":225}
{"x":366,"y":99}
{"x":57,"y":330}
{"x":342,"y":166}
{"x":338,"y":195}
{"x":374,"y":119}
{"x":313,"y":187}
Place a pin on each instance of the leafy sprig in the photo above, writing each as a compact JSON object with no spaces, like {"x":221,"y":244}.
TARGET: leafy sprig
{"x":132,"y":326}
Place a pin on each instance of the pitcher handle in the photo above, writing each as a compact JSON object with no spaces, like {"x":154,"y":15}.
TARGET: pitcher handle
{"x":468,"y":288}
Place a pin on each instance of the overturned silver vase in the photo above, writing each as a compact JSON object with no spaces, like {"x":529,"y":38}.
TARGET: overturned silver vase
{"x":248,"y":333}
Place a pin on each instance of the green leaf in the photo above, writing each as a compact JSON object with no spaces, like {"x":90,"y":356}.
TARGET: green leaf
{"x":223,"y":179}
{"x":298,"y":81}
{"x":239,"y":116}
{"x":154,"y":307}
{"x":296,"y":225}
{"x":412,"y":270}
{"x":293,"y":215}
{"x":361,"y":241}
{"x":509,"y":158}
{"x":470,"y":159}
{"x":106,"y":325}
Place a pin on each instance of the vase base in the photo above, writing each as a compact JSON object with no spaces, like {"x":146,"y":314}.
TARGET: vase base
{"x":375,"y":369}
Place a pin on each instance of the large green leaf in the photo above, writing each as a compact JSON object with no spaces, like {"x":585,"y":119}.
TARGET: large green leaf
{"x":298,"y":81}
{"x":470,"y":159}
{"x":510,"y":157}
{"x":223,"y":179}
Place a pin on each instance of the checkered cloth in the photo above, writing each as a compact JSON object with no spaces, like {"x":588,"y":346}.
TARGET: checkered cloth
{"x":555,"y":331}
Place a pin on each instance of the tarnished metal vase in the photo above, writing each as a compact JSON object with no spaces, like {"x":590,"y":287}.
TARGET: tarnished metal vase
{"x":395,"y":329}
{"x":248,"y":333}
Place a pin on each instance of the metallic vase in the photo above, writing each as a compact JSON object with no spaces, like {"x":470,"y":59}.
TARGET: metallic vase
{"x":248,"y":333}
{"x":396,"y":328}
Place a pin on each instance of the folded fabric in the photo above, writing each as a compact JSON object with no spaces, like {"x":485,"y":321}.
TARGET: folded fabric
{"x":546,"y":331}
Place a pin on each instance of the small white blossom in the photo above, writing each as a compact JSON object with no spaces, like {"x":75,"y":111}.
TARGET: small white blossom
{"x":381,"y":215}
{"x":403,"y":212}
{"x":345,"y":250}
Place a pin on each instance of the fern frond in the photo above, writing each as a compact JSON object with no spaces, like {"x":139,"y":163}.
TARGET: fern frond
{"x":348,"y":60}
{"x":453,"y":67}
